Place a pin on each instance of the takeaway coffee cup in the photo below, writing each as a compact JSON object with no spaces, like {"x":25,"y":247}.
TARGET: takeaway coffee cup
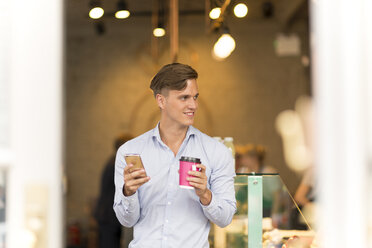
{"x":187,"y":164}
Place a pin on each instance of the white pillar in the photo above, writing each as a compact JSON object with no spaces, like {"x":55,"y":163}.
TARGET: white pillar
{"x":34,"y":207}
{"x":342,"y":72}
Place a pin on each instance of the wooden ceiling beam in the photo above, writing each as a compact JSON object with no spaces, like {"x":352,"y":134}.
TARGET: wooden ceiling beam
{"x":173,"y":13}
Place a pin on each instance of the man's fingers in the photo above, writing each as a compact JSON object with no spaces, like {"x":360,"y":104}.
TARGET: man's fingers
{"x":134,"y":175}
{"x":198,"y":185}
{"x":126,"y":168}
{"x":137,"y":182}
{"x":198,"y":177}
{"x":138,"y":173}
{"x":129,"y":169}
{"x":131,"y":186}
{"x":141,"y":181}
{"x":196,"y":180}
{"x":197,"y":174}
{"x":202,"y":167}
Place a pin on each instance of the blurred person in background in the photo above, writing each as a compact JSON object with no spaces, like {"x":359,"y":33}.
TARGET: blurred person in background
{"x":109,"y":228}
{"x":305,"y":191}
{"x":304,"y":197}
{"x":250,"y":158}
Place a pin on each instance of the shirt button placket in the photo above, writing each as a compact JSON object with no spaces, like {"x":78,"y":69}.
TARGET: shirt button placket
{"x":169,"y":197}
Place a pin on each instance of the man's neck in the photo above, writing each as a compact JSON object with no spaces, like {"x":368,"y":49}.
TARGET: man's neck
{"x":172,"y":135}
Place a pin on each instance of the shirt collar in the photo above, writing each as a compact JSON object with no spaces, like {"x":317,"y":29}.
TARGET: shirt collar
{"x":190,"y":131}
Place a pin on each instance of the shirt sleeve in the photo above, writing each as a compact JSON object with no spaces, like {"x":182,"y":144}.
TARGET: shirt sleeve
{"x":127,"y":209}
{"x":222,"y":207}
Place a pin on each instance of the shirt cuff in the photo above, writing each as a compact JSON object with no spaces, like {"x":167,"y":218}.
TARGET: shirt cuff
{"x":129,"y":201}
{"x":212,"y":205}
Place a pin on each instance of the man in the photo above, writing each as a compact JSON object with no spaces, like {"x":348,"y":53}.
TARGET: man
{"x":162,"y":213}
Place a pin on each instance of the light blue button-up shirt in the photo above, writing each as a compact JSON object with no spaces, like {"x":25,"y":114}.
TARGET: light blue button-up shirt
{"x":162,"y":213}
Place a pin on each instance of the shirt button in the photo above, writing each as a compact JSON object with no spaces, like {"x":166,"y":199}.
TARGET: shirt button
{"x":166,"y":221}
{"x":169,"y":203}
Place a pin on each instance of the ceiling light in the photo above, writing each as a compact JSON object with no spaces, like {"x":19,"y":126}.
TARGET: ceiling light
{"x":122,"y":14}
{"x":224,"y":46}
{"x":96,"y":13}
{"x":122,"y":10}
{"x":240,"y":10}
{"x":159,"y":32}
{"x":215,"y":13}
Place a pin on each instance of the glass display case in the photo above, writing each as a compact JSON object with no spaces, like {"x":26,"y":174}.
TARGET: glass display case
{"x":267,"y":216}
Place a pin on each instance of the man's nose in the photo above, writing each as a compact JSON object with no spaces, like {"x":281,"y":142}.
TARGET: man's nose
{"x":193,"y":104}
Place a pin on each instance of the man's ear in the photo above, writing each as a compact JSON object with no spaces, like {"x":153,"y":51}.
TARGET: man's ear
{"x":160,"y":99}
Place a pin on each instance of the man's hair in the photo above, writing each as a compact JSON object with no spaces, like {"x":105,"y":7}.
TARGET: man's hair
{"x":172,"y":77}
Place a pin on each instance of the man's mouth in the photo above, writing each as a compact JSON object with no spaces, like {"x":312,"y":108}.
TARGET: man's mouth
{"x":189,"y":113}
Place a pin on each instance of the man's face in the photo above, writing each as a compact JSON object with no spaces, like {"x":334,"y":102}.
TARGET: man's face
{"x":180,"y":106}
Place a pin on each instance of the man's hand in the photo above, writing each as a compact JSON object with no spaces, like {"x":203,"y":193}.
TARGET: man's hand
{"x":199,"y":182}
{"x":133,"y":180}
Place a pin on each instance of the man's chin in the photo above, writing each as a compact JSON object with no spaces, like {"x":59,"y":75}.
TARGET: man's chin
{"x":188,"y":122}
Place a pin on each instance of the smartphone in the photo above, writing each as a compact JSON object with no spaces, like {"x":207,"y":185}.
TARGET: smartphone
{"x":134,"y":159}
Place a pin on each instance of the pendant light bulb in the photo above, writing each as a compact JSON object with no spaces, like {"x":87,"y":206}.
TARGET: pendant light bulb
{"x":224,"y":46}
{"x":215,"y":13}
{"x":96,"y":13}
